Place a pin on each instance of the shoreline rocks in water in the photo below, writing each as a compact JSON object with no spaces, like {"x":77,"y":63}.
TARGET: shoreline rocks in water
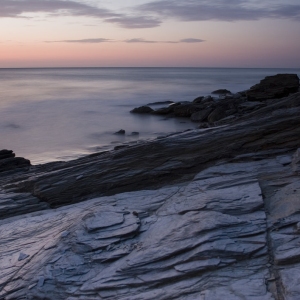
{"x":210,"y":110}
{"x":221,"y":92}
{"x":9,"y":162}
{"x":205,"y":214}
{"x":274,"y":87}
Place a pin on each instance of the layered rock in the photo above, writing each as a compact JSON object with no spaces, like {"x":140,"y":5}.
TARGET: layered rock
{"x":207,"y":238}
{"x":278,"y":86}
{"x":206,"y":214}
{"x":150,"y":164}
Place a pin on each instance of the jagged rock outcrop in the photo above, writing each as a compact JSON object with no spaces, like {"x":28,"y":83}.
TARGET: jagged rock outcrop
{"x":231,"y":105}
{"x":206,"y":214}
{"x":8,"y":161}
{"x":277,"y":86}
{"x":151,"y":164}
{"x":221,"y":92}
{"x":142,"y":110}
{"x":228,"y":233}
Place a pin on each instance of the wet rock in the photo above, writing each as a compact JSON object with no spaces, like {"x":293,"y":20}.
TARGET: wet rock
{"x":204,"y":125}
{"x":236,"y":96}
{"x":120,"y":132}
{"x":142,"y":110}
{"x":163,"y":110}
{"x":217,"y":114}
{"x":12,"y":204}
{"x":22,"y":256}
{"x":201,"y":115}
{"x":186,"y":110}
{"x":296,"y":161}
{"x":6,"y":154}
{"x":259,"y":131}
{"x":207,"y":231}
{"x":251,"y":105}
{"x":221,"y":92}
{"x":134,"y":133}
{"x":9,"y":162}
{"x":198,"y":99}
{"x":278,"y":86}
{"x":204,"y":214}
{"x":161,"y":102}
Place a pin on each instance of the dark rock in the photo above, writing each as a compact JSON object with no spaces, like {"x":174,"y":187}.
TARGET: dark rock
{"x":163,"y":110}
{"x":135,"y":133}
{"x":230,"y":112}
{"x":204,"y":125}
{"x":296,"y":162}
{"x":121,"y":132}
{"x":161,"y":102}
{"x":259,"y":131}
{"x":218,"y":114}
{"x":201,"y":115}
{"x":243,"y":93}
{"x":205,"y":214}
{"x":278,"y":86}
{"x":236,"y":96}
{"x":142,"y":110}
{"x":6,"y":154}
{"x":8,"y":161}
{"x":208,"y":99}
{"x":120,"y":147}
{"x":186,"y":110}
{"x":221,"y":92}
{"x":251,"y":105}
{"x":198,"y":99}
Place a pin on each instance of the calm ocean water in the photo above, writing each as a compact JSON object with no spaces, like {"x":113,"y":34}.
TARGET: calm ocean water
{"x":59,"y":114}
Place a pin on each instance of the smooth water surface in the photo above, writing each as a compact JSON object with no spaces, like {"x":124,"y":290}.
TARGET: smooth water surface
{"x":59,"y":114}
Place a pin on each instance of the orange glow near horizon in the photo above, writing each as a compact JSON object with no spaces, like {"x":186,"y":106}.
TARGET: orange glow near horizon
{"x":42,"y":43}
{"x":141,"y":55}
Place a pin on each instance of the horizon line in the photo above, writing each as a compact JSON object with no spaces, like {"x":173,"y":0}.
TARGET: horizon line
{"x":156,"y":67}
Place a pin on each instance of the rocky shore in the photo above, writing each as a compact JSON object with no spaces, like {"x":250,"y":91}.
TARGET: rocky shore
{"x":227,"y":106}
{"x":206,"y":214}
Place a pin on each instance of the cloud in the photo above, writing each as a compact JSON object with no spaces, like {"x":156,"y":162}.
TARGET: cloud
{"x":221,"y":10}
{"x":139,"y":40}
{"x":129,"y":41}
{"x":154,"y":13}
{"x":190,"y":40}
{"x":15,"y":8}
{"x":135,"y":22}
{"x":83,"y":41}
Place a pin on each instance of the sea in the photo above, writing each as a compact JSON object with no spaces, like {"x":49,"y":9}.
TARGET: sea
{"x":51,"y":114}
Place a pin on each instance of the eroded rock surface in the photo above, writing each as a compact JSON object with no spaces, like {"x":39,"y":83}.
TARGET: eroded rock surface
{"x":229,"y":233}
{"x":207,"y":214}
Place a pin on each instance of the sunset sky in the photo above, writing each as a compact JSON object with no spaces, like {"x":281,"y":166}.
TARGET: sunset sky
{"x":138,"y":33}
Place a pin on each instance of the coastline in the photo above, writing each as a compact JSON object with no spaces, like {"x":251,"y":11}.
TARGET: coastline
{"x":79,"y":110}
{"x":204,"y":214}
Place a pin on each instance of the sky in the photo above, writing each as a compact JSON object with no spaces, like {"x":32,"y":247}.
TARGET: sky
{"x":147,"y":33}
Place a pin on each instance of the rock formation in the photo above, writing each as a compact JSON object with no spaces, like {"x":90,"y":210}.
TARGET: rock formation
{"x":8,"y":161}
{"x":205,"y":214}
{"x":211,"y":110}
{"x":278,"y":86}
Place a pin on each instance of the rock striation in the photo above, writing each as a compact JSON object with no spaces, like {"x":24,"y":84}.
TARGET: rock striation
{"x":228,"y":233}
{"x":206,"y":214}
